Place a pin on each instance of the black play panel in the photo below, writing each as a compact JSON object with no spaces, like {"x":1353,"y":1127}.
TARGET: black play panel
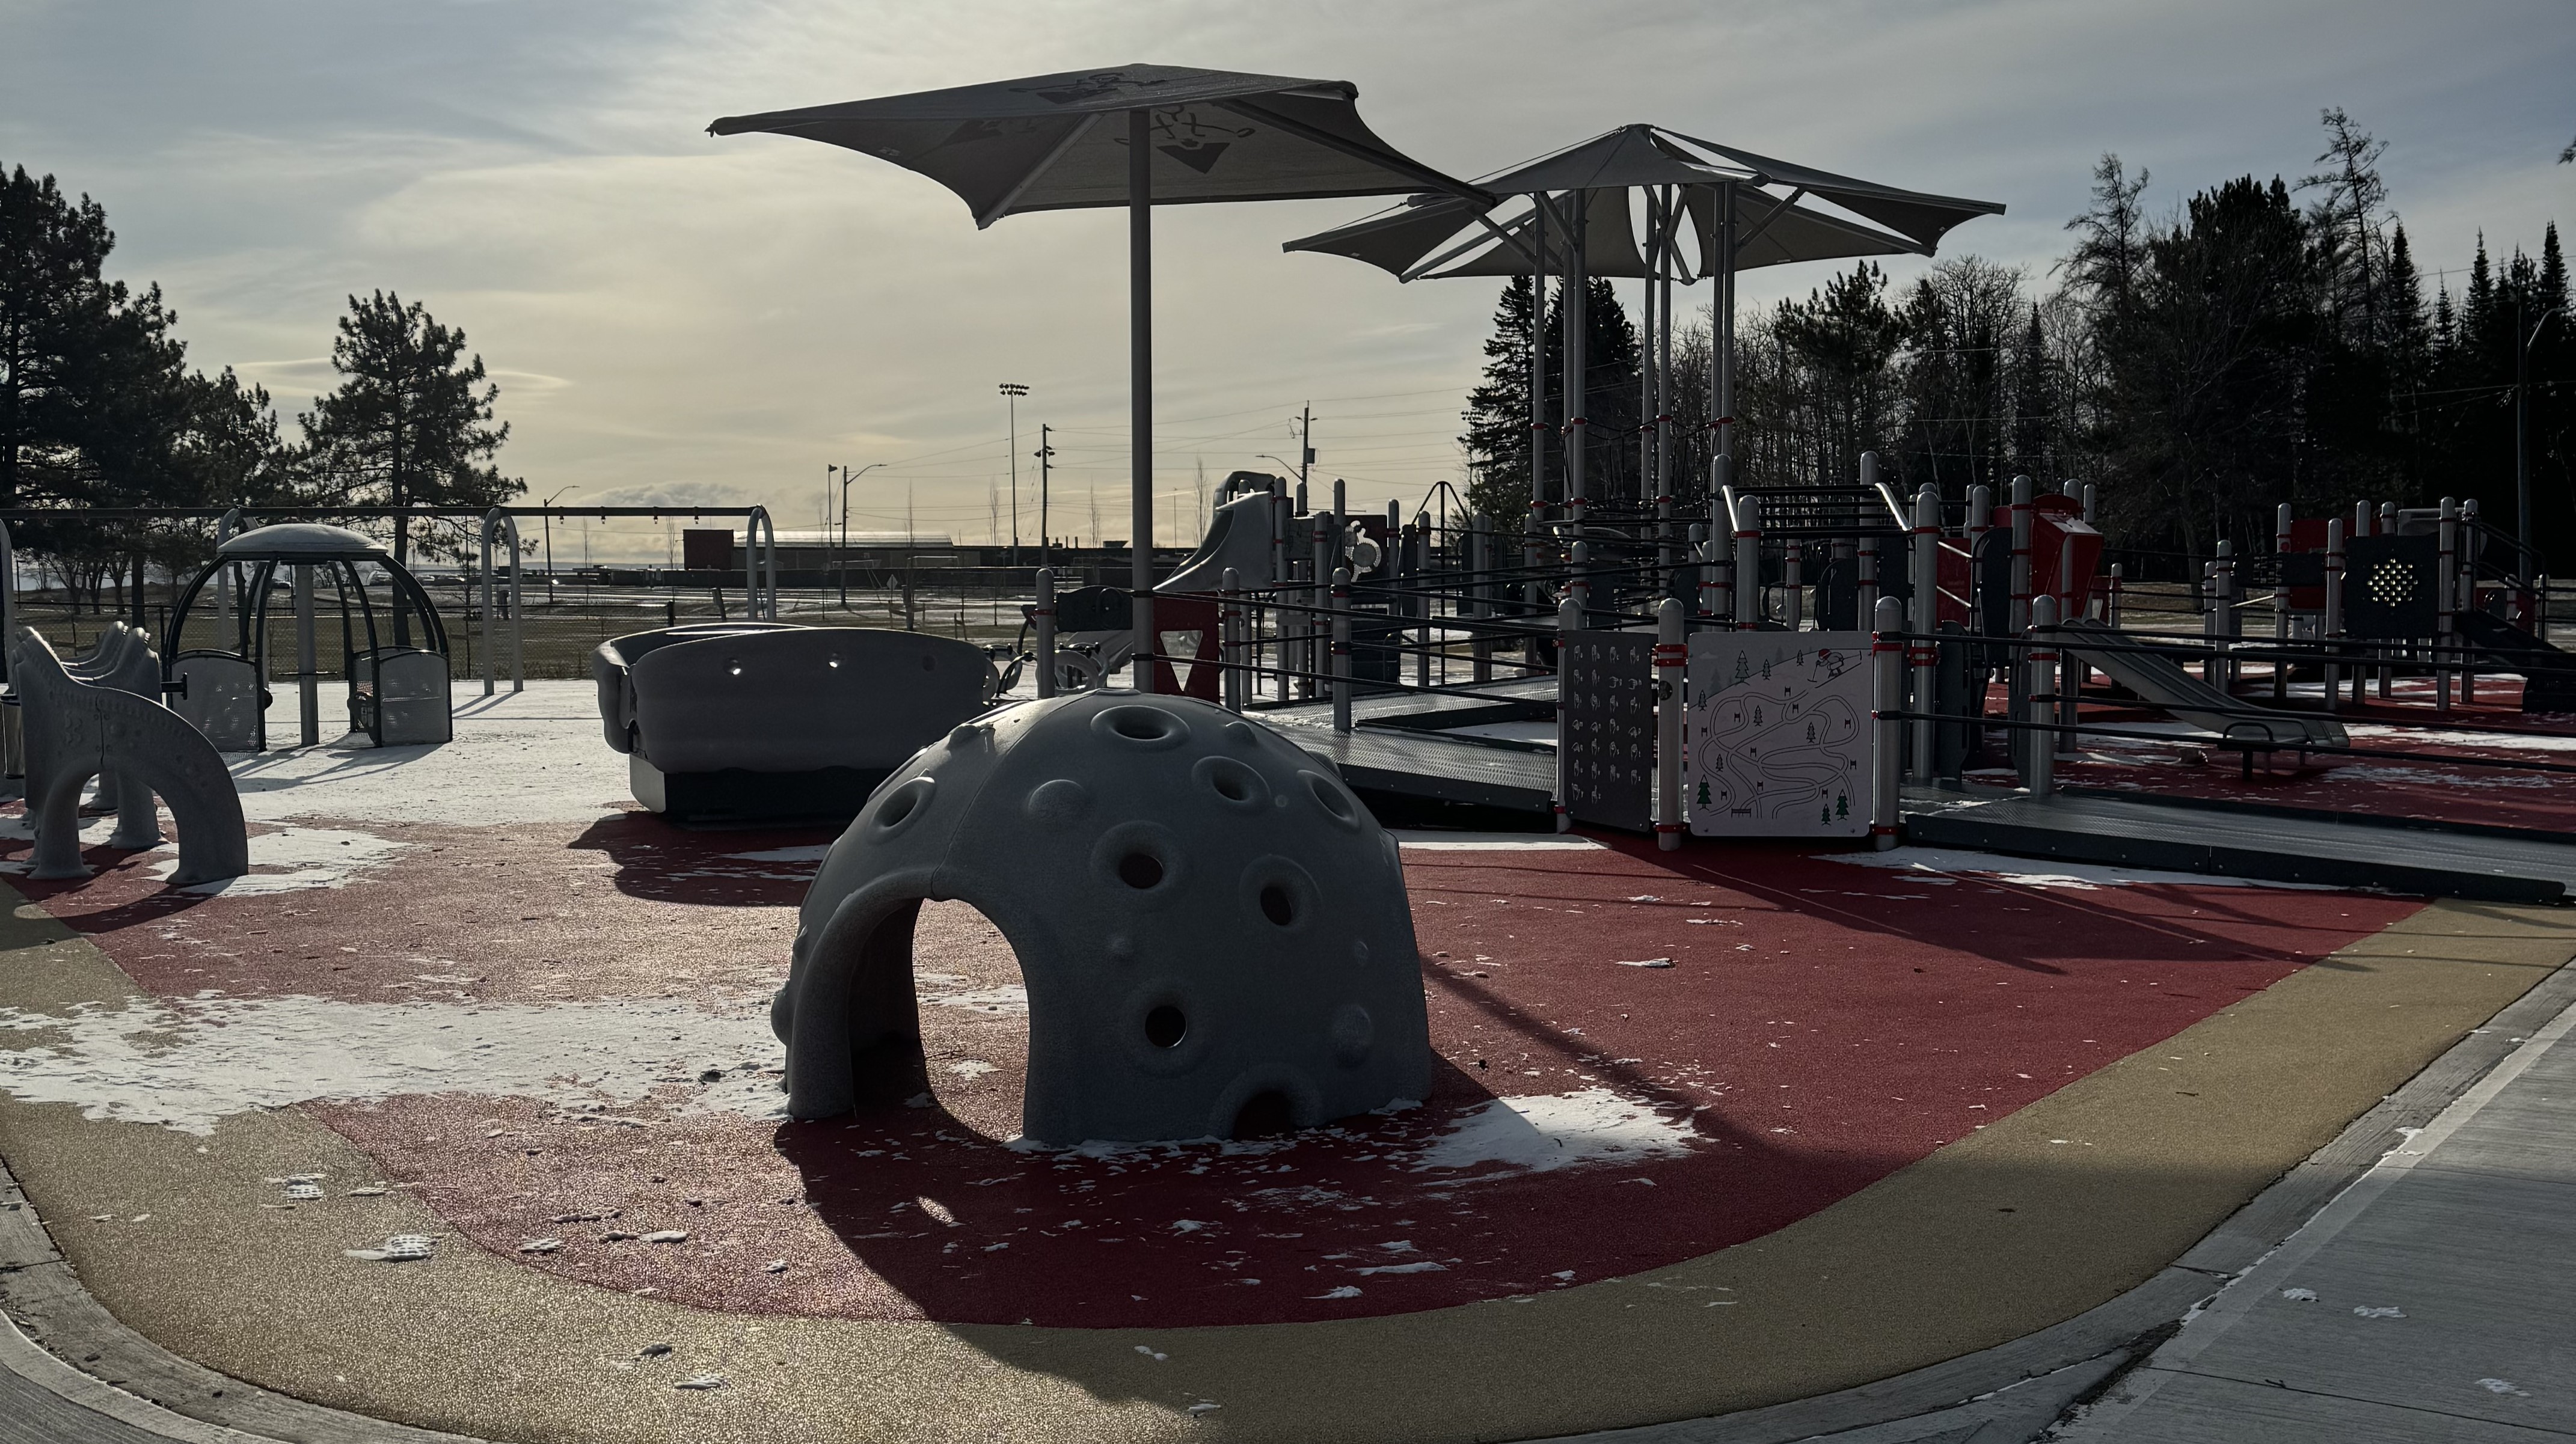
{"x":2389,"y":587}
{"x":1606,"y":729}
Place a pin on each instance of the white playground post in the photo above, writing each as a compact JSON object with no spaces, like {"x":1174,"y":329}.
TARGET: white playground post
{"x":1229,"y":639}
{"x":1569,"y":620}
{"x":2330,"y":625}
{"x":497,"y":520}
{"x":1280,"y":575}
{"x":1672,"y":699}
{"x":1341,"y":649}
{"x":1696,"y":582}
{"x":2021,"y":569}
{"x":1886,"y":699}
{"x":1924,"y":616}
{"x":1578,"y":578}
{"x":1042,"y":616}
{"x":2041,"y":749}
{"x":1865,"y":554}
{"x":308,"y":677}
{"x":2465,"y":569}
{"x":2445,"y":600}
{"x":759,"y":575}
{"x":2071,"y":682}
{"x":2280,"y":602}
{"x":1748,"y":563}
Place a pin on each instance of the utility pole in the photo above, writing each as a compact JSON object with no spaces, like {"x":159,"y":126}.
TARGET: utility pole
{"x":1305,"y":441}
{"x":2521,"y":432}
{"x":1046,"y":475}
{"x":1012,"y":391}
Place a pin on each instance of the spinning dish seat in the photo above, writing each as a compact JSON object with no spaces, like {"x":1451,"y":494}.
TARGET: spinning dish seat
{"x":1213,"y":931}
{"x":765,"y":720}
{"x":398,"y":693}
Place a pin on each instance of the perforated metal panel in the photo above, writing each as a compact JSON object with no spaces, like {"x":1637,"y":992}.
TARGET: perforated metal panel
{"x":1606,"y":727}
{"x":2389,"y":587}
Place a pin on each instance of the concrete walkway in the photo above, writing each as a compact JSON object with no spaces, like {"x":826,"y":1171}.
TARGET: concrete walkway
{"x":2430,"y":1302}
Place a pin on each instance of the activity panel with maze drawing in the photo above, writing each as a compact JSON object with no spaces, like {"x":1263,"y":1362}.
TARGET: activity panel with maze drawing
{"x":1779,"y":734}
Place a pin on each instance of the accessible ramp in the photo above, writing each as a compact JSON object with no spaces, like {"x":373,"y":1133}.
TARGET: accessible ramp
{"x":2161,"y":682}
{"x":2548,"y":672}
{"x":2430,"y":859}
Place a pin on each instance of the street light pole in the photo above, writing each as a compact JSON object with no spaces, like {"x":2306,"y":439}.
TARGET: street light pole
{"x":842,"y":555}
{"x":1012,"y":391}
{"x":548,"y":521}
{"x":1046,"y":477}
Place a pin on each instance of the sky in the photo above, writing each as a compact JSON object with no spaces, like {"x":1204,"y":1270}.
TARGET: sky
{"x":673,"y":317}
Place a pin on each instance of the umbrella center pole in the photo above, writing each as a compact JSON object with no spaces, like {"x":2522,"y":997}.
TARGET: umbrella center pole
{"x":1140,"y":383}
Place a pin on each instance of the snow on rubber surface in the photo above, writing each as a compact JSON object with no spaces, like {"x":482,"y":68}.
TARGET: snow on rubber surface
{"x":1551,"y":1131}
{"x":1942,"y":866}
{"x":188,"y":1063}
{"x":518,"y":757}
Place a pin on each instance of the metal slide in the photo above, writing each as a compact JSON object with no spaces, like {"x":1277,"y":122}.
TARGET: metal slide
{"x":2162,"y":682}
{"x":2548,"y":672}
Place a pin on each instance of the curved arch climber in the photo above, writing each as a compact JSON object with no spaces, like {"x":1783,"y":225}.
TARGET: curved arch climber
{"x":76,"y":729}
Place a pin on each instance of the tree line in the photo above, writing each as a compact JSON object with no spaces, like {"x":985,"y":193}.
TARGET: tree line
{"x":99,"y":409}
{"x":2270,"y":341}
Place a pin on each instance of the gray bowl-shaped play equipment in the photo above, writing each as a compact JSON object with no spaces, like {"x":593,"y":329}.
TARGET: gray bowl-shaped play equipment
{"x":737,"y":721}
{"x":398,"y":684}
{"x":1213,"y":931}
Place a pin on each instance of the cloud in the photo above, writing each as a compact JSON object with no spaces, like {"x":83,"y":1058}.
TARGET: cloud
{"x":662,"y":306}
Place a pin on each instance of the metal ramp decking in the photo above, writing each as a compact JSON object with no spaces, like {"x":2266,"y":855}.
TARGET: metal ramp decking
{"x":2488,"y":864}
{"x":1392,"y":749}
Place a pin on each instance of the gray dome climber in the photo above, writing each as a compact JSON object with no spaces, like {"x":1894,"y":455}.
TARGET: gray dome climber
{"x":1213,"y":931}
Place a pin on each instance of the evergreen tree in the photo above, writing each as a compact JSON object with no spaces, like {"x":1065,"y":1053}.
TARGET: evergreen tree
{"x":2035,"y":404}
{"x":56,"y":309}
{"x":1497,"y":415}
{"x":2111,"y":244}
{"x":97,"y":406}
{"x":1498,"y":421}
{"x":411,"y":425}
{"x":2346,"y":223}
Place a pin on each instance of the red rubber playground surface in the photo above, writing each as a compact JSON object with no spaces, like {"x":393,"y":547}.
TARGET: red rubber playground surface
{"x":1704,"y":1046}
{"x":2438,"y":782}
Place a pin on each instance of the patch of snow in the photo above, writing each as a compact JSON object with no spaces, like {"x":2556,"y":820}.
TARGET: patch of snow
{"x":1930,"y":862}
{"x":312,"y":857}
{"x":2300,"y":1296}
{"x":2504,"y":741}
{"x":1545,"y":1132}
{"x":187,"y":1063}
{"x":1645,"y":962}
{"x":1434,"y":841}
{"x":532,"y":756}
{"x":1346,"y":1291}
{"x":1012,"y":999}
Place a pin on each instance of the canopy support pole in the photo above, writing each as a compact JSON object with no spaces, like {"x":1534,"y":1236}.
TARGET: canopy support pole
{"x":1721,"y":371}
{"x":1538,"y":405}
{"x":1578,"y":371}
{"x":1140,"y":387}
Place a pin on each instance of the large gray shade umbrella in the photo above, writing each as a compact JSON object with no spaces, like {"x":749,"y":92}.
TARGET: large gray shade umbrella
{"x":1131,"y":135}
{"x":1727,"y":196}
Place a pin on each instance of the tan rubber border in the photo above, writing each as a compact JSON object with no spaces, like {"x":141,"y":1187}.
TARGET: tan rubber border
{"x":2107,"y":1181}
